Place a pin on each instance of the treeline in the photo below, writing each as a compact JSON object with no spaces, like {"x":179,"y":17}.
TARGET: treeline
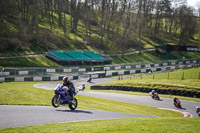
{"x":121,"y":23}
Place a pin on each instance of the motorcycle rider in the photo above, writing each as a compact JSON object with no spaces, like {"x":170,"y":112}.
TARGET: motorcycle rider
{"x":70,"y":86}
{"x":175,"y":100}
{"x":153,"y":92}
{"x":198,"y":110}
{"x":90,"y":78}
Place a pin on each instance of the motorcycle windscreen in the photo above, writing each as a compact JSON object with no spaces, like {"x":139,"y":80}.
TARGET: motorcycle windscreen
{"x":75,"y":92}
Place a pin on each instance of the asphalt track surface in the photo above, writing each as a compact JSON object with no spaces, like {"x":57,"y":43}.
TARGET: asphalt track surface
{"x":17,"y":116}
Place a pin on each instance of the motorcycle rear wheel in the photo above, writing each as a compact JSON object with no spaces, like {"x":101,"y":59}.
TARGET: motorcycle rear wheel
{"x":55,"y":102}
{"x":73,"y":104}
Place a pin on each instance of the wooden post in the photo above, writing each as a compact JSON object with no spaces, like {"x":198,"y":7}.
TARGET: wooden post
{"x":168,"y":75}
{"x":199,"y":75}
{"x":183,"y":76}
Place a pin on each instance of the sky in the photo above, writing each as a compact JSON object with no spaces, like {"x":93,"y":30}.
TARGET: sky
{"x":194,"y":3}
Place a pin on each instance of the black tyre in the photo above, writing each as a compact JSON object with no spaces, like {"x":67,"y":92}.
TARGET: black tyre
{"x":55,"y":102}
{"x":73,"y":104}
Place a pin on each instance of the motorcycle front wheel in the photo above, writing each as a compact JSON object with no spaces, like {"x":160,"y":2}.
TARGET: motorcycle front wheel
{"x":73,"y":104}
{"x":55,"y":102}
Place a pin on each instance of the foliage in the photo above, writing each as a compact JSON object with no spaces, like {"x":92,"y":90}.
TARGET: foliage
{"x":112,"y":27}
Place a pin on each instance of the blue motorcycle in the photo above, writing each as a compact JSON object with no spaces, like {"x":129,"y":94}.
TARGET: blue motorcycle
{"x":62,"y":97}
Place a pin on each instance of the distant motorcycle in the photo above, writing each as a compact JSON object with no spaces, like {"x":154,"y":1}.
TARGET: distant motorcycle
{"x":198,"y":111}
{"x":62,"y":97}
{"x":155,"y":95}
{"x":82,"y":87}
{"x":178,"y":104}
{"x":89,"y":79}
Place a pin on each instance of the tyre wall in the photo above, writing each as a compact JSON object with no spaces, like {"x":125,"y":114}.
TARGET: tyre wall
{"x":147,"y":90}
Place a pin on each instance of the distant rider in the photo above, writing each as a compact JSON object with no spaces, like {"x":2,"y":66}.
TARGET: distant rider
{"x":70,"y":86}
{"x":153,"y":92}
{"x":198,"y":111}
{"x":175,"y":100}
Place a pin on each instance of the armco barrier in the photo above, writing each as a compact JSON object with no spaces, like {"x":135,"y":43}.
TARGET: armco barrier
{"x":147,"y":90}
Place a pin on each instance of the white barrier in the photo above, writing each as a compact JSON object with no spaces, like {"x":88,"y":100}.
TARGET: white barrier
{"x":51,"y":70}
{"x":67,"y":70}
{"x":37,"y":78}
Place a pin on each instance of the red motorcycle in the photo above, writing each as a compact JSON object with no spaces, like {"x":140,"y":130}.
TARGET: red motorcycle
{"x":177,"y":104}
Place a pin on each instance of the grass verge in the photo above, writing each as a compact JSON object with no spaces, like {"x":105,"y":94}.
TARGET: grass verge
{"x":138,"y":125}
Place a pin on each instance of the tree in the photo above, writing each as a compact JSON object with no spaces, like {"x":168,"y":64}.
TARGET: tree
{"x":187,"y":24}
{"x":75,"y":7}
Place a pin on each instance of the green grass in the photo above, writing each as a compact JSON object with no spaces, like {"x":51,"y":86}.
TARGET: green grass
{"x":180,"y":74}
{"x":23,"y":93}
{"x":151,"y":57}
{"x":158,"y":83}
{"x":130,"y":125}
{"x":161,"y":81}
{"x":41,"y":61}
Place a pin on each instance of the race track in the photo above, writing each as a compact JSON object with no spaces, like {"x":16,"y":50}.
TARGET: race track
{"x":17,"y":115}
{"x":188,"y":106}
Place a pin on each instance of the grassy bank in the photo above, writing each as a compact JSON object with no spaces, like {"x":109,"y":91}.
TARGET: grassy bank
{"x":151,"y":57}
{"x":138,"y":125}
{"x":41,"y":61}
{"x":190,"y":82}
